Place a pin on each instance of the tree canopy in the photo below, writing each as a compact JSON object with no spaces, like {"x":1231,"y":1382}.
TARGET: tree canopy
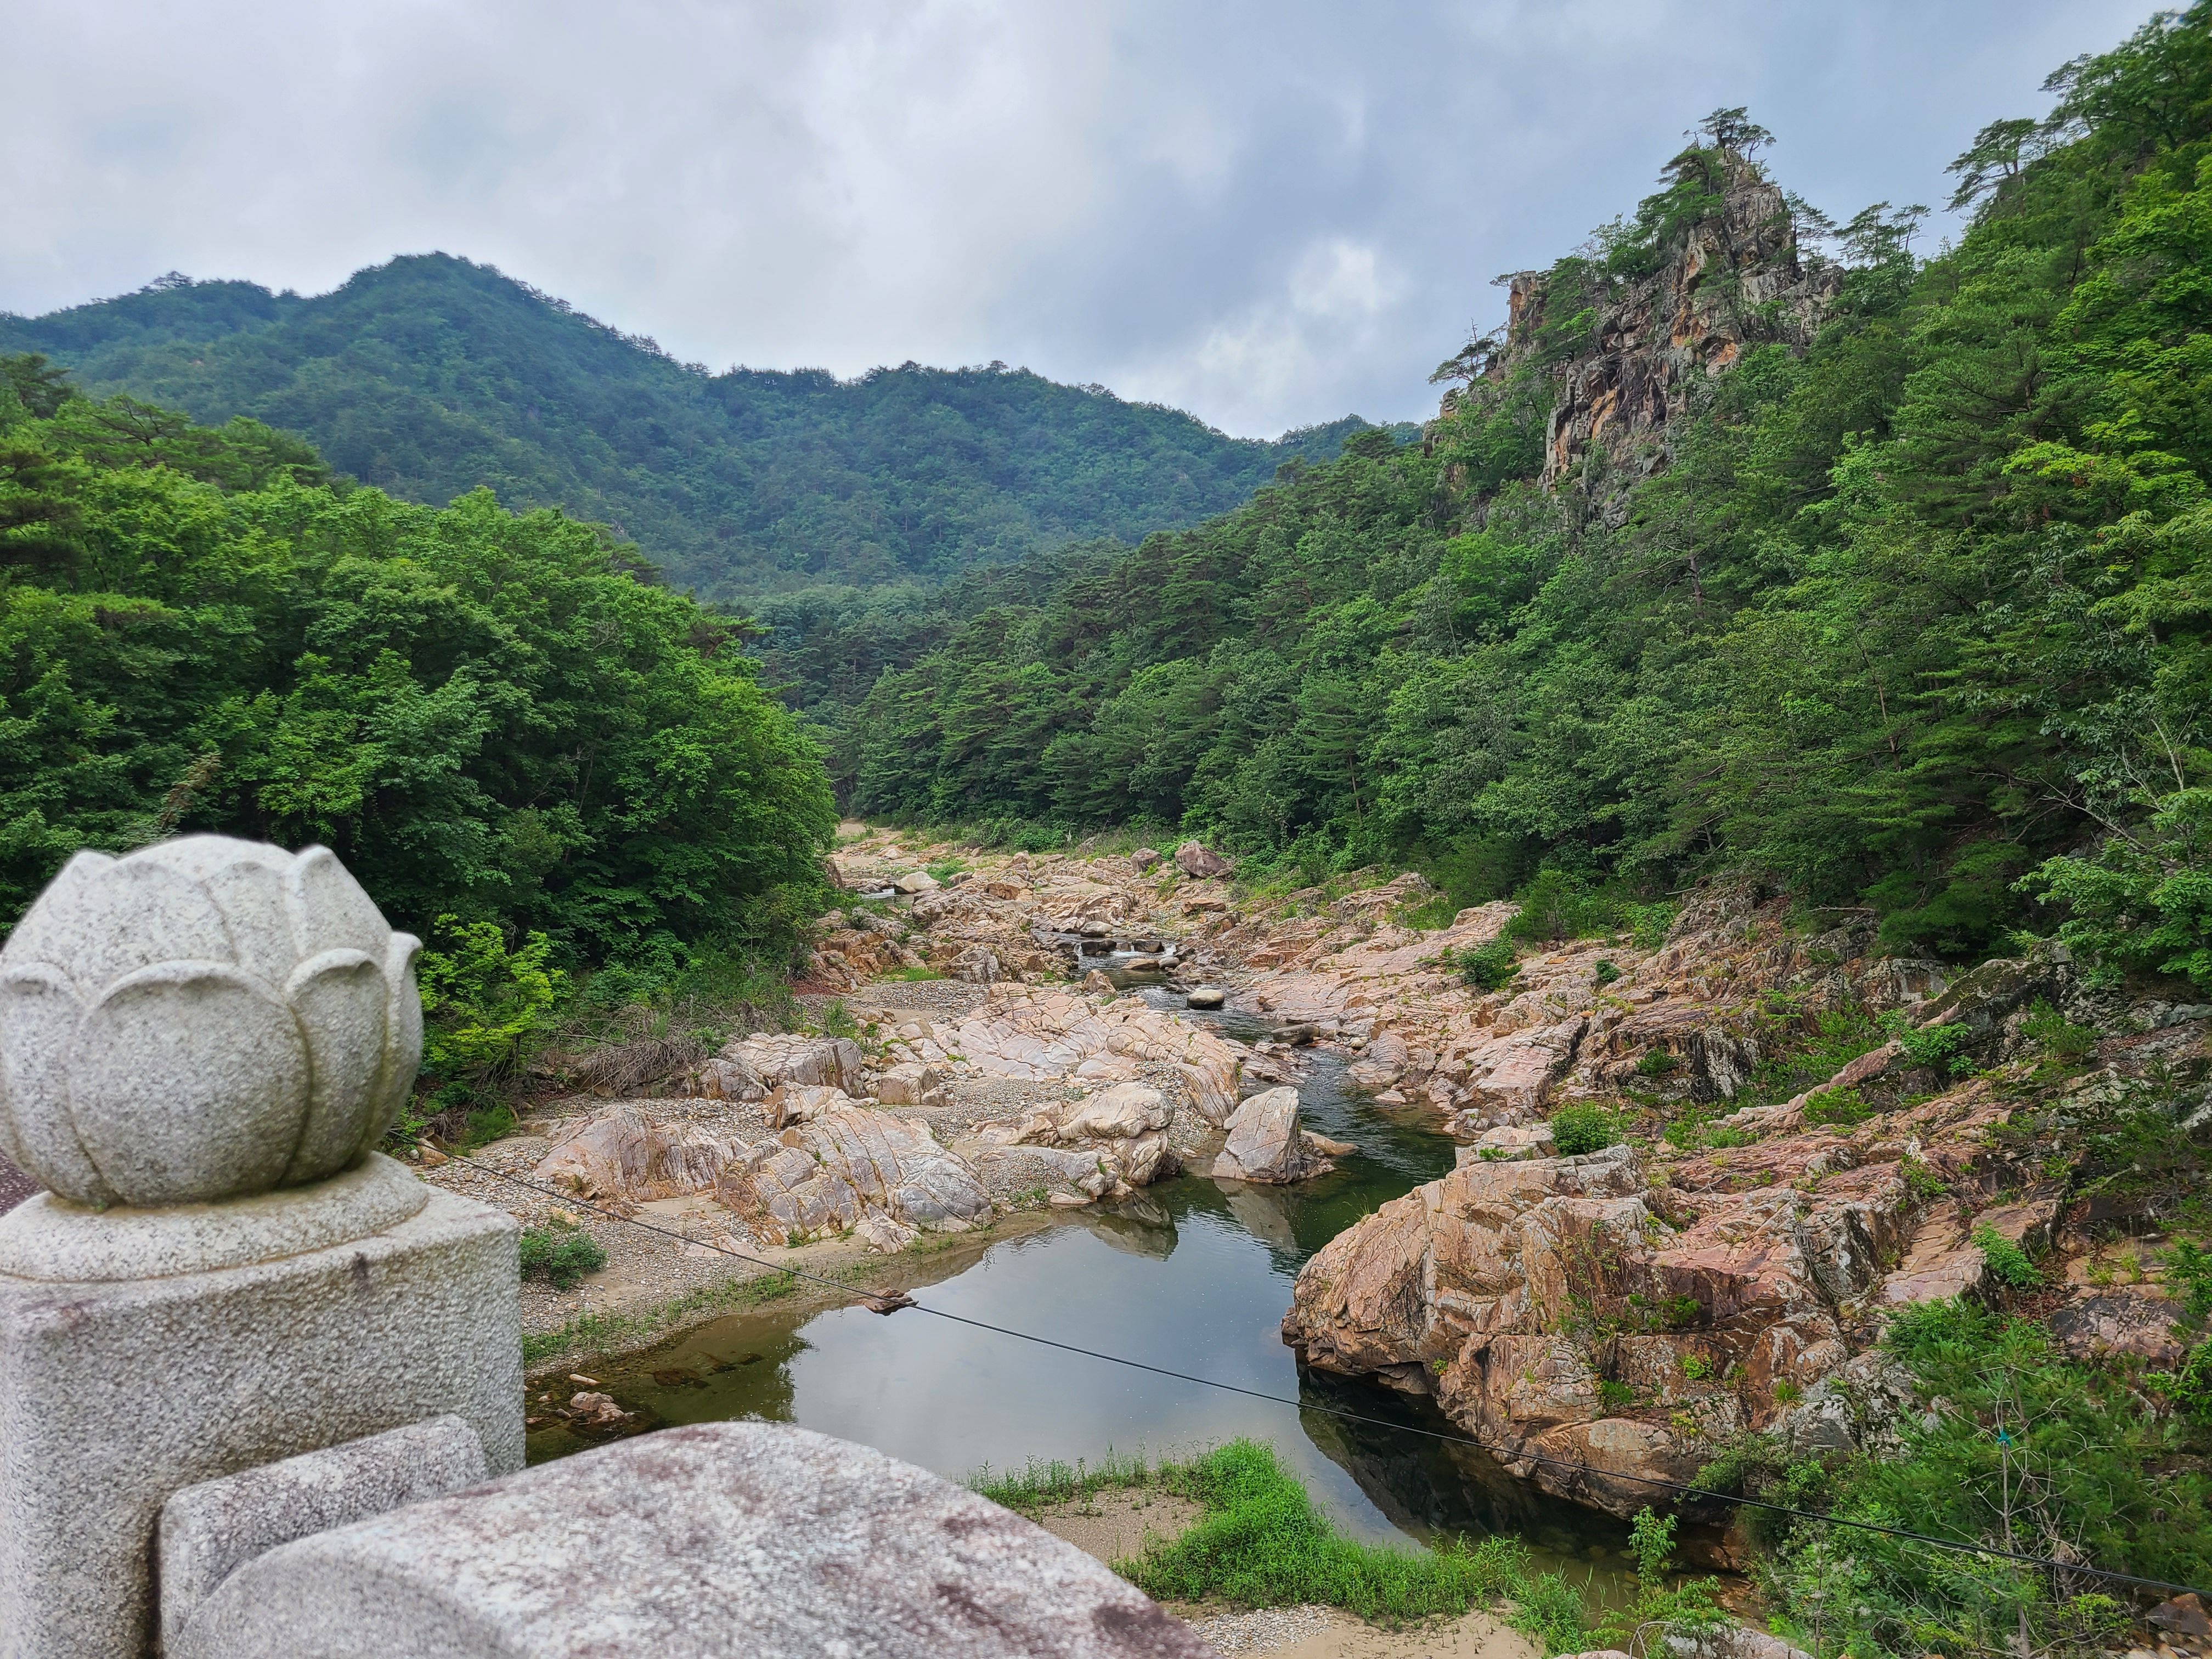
{"x":493,"y":717}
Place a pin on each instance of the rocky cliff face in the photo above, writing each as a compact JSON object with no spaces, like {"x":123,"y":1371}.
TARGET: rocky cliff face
{"x":1731,"y":280}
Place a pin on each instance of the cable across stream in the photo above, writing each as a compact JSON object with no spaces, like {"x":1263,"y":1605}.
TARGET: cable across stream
{"x":883,"y":1304}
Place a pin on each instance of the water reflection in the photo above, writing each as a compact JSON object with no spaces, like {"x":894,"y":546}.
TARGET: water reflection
{"x":1190,"y":1276}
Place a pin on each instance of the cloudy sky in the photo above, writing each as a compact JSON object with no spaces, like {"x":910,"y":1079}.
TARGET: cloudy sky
{"x":1269,"y":213}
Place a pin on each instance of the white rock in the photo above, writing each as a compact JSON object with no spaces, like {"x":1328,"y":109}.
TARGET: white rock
{"x":915,"y":881}
{"x":882,"y":1234}
{"x":1207,"y":996}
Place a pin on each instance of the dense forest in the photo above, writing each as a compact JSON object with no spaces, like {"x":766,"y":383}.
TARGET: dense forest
{"x":1905,"y":605}
{"x":495,"y":718}
{"x":430,"y":376}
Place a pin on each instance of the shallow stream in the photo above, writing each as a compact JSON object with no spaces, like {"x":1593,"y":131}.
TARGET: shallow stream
{"x":1189,"y":1276}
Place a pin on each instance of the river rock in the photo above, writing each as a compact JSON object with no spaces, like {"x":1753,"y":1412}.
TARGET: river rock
{"x":976,"y":965}
{"x":1264,"y":1144}
{"x":915,"y":881}
{"x":912,"y":1083}
{"x":885,"y":1236}
{"x":754,"y":1067}
{"x":1144,"y":858}
{"x":802,"y":1103}
{"x":1207,"y":996}
{"x":1124,"y":1110}
{"x":1197,"y":862}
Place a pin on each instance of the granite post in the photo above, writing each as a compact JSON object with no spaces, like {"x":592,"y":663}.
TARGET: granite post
{"x":200,"y":1046}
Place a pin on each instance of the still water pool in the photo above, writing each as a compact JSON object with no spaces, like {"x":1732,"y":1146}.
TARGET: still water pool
{"x":1189,"y":1276}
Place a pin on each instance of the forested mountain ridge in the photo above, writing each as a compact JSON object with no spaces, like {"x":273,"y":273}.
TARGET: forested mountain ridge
{"x":431,"y":376}
{"x":1903,"y":603}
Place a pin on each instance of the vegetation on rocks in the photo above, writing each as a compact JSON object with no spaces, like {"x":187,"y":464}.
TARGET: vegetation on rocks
{"x":2014,"y":1444}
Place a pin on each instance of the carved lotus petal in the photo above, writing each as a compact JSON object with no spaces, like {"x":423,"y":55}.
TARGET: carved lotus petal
{"x":206,"y":1019}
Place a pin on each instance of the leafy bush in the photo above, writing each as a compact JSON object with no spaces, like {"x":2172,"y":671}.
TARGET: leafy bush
{"x":1656,"y":1062}
{"x":1647,"y":925}
{"x":1935,"y":1047}
{"x":1605,"y":973}
{"x":1582,"y":1128}
{"x":482,"y":1004}
{"x":560,"y":1255}
{"x":1489,"y":967}
{"x":2008,"y":1263}
{"x":2056,"y":1035}
{"x":1557,"y":905}
{"x":1837,"y":1108}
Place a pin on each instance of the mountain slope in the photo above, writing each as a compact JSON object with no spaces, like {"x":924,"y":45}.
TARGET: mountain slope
{"x":430,"y":376}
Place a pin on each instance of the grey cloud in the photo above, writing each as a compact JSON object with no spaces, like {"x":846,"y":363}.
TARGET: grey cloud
{"x":1268,"y":213}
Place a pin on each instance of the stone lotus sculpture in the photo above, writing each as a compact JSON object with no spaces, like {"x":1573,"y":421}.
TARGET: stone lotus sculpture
{"x":203,"y":1019}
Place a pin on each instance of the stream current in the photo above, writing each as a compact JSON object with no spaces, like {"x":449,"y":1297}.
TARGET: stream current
{"x":1190,"y":1276}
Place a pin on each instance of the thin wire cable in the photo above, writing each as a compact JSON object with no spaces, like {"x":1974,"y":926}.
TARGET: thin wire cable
{"x":1501,"y":1452}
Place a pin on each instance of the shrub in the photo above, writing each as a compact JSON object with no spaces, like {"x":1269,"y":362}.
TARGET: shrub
{"x":483,"y":1003}
{"x":1557,"y":905}
{"x":561,"y":1255}
{"x":1489,"y":967}
{"x":1837,"y":1108}
{"x":1583,"y":1127}
{"x":1935,"y":1047}
{"x":2024,"y":1437}
{"x":1606,"y":973}
{"x":2056,"y":1035}
{"x":1656,"y":1062}
{"x":2008,"y":1263}
{"x":1647,"y":925}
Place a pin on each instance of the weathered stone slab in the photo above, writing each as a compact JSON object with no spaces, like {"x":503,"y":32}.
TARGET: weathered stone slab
{"x":705,"y":1542}
{"x":211,"y":1529}
{"x":114,"y":1395}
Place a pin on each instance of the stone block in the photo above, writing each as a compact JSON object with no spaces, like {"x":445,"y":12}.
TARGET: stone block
{"x":117,"y":1393}
{"x":703,"y":1542}
{"x":210,"y":1530}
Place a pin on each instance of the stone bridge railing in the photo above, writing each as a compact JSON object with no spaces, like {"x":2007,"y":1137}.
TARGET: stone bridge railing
{"x":261,"y":1390}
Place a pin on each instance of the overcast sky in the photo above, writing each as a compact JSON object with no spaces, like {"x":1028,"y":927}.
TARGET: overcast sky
{"x":1269,"y":213}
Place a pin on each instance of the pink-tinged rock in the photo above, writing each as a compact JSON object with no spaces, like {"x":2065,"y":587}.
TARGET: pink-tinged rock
{"x":2137,"y":1321}
{"x":1199,"y":862}
{"x":1264,"y":1145}
{"x":1939,"y":1264}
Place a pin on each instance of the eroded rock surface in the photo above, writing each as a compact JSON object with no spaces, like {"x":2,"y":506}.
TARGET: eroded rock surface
{"x":818,"y":1179}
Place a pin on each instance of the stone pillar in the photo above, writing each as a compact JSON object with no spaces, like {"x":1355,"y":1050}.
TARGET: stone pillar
{"x":200,"y":1045}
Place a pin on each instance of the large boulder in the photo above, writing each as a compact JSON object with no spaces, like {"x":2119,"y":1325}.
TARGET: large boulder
{"x":1525,"y":1293}
{"x":1124,"y":1110}
{"x":820,"y":1177}
{"x":1199,"y":862}
{"x":1265,"y":1144}
{"x":756,"y":1066}
{"x":912,"y":1083}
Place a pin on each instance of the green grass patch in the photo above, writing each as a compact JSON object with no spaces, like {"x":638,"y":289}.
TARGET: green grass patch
{"x":613,"y":1333}
{"x":561,"y":1254}
{"x":1260,"y":1542}
{"x":909,"y":974}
